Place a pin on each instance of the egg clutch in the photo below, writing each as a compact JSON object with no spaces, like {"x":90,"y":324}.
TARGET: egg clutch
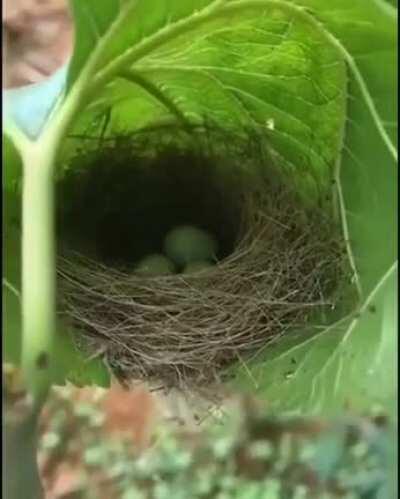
{"x":187,"y":249}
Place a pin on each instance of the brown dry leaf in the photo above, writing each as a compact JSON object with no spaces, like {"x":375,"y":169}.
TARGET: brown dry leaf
{"x":13,"y":384}
{"x":69,"y":479}
{"x":131,"y":412}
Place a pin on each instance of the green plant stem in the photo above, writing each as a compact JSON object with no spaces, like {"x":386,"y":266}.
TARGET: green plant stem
{"x":21,"y":479}
{"x":38,"y":268}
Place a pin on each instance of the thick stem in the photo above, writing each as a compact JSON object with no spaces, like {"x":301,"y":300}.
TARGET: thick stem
{"x":38,"y":268}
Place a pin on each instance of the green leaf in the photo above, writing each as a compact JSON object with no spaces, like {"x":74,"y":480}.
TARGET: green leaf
{"x":265,"y":64}
{"x":354,"y":362}
{"x":351,"y":364}
{"x":319,"y":79}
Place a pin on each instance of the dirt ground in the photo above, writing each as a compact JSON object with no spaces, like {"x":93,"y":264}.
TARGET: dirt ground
{"x":79,"y":428}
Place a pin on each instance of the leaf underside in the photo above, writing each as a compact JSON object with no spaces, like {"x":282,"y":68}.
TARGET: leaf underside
{"x":268,"y":64}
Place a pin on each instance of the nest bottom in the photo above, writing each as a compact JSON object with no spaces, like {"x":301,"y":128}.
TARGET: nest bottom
{"x":286,"y":269}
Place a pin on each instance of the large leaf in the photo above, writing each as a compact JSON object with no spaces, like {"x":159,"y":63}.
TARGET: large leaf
{"x":282,"y":66}
{"x":354,"y":362}
{"x":256,"y":63}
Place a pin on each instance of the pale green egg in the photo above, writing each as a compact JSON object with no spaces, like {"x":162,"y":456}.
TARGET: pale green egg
{"x":187,"y":244}
{"x":199,"y":266}
{"x":155,"y":265}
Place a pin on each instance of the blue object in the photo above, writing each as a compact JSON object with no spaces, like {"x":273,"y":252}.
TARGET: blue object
{"x":29,"y":107}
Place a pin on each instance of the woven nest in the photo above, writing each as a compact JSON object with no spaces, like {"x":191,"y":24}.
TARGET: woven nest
{"x":280,"y":265}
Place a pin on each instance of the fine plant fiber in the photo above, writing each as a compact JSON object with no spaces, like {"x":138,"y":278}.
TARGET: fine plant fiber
{"x":281,"y":263}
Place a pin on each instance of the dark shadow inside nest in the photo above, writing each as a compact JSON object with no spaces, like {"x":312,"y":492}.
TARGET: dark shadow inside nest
{"x":280,"y":265}
{"x":123,"y":204}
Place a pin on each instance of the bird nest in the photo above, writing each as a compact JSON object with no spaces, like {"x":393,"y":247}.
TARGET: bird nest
{"x":280,"y":265}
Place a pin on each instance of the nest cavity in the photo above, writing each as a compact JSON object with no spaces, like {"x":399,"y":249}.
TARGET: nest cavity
{"x":280,"y":264}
